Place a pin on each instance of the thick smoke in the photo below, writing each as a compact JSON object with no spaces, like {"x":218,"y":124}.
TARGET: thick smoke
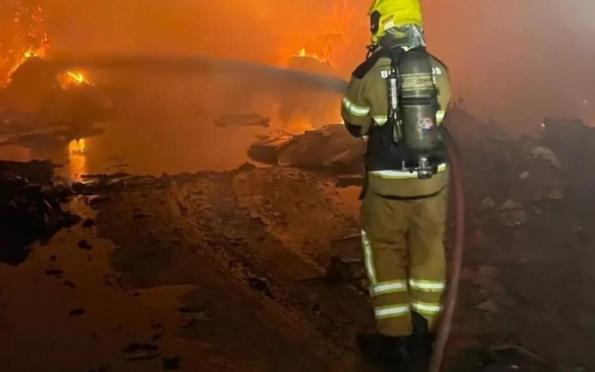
{"x":514,"y":61}
{"x":518,"y":61}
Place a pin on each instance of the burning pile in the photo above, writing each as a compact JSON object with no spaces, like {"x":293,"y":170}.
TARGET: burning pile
{"x":23,"y":37}
{"x":305,"y":110}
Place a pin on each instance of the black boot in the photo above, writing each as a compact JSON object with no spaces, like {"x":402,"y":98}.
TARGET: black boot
{"x":384,"y":349}
{"x":422,"y":337}
{"x":421,"y":345}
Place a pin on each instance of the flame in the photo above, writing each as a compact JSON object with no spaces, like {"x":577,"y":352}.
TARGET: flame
{"x":305,"y":53}
{"x":71,"y":79}
{"x":21,"y":39}
{"x":299,"y":125}
{"x":77,"y":77}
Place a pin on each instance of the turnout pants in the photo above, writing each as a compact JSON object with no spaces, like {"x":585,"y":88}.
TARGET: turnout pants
{"x":404,"y":257}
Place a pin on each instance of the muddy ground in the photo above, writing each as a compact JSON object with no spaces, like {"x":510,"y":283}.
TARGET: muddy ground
{"x":257,"y":270}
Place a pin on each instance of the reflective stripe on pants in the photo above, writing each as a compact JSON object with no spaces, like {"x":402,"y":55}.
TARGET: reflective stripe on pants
{"x":404,"y":259}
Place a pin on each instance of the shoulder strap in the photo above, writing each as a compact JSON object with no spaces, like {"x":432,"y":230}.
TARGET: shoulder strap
{"x":367,"y":65}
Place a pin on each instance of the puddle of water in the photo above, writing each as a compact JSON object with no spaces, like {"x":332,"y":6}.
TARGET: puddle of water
{"x":146,"y":147}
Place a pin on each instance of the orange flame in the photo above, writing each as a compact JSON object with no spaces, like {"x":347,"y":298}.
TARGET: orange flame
{"x":304,"y":52}
{"x":70,"y":79}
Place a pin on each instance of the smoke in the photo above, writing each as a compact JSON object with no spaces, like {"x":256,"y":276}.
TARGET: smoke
{"x":517,"y":61}
{"x":514,"y":61}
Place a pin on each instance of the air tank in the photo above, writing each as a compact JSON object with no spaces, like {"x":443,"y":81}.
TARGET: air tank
{"x":419,"y":104}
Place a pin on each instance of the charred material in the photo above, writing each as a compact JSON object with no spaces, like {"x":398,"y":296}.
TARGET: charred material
{"x":30,"y":208}
{"x":37,"y":89}
{"x":330,"y":148}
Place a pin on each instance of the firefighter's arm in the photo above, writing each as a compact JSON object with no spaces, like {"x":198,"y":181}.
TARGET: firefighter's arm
{"x":355,"y":110}
{"x":444,"y":90}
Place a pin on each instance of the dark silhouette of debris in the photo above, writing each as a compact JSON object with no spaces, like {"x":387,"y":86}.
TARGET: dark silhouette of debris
{"x":83,"y":244}
{"x":139,"y":351}
{"x":157,"y":336}
{"x":69,"y":284}
{"x":88,"y":223}
{"x":53,"y":258}
{"x":53,"y":272}
{"x":171,"y":363}
{"x":77,"y":312}
{"x":191,"y":309}
{"x":102,"y":368}
{"x":246,"y":167}
{"x":92,"y":200}
{"x":30,"y":209}
{"x":261,"y":285}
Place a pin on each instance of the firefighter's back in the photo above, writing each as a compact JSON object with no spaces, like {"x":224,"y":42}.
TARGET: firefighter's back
{"x":374,"y":88}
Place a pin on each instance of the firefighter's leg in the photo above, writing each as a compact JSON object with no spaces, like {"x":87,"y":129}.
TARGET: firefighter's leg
{"x":384,"y":229}
{"x":427,"y":274}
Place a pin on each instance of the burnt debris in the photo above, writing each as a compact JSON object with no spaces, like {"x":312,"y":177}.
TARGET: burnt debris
{"x":140,"y":351}
{"x":30,"y":209}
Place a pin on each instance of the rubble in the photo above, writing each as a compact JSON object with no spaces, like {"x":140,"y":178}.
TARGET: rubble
{"x":88,"y":223}
{"x":512,"y":214}
{"x":544,"y":153}
{"x":495,"y":170}
{"x":77,"y":312}
{"x":30,"y":208}
{"x":171,"y":363}
{"x":69,"y":284}
{"x":330,"y":148}
{"x":261,"y":285}
{"x":487,"y":204}
{"x":156,"y":337}
{"x":489,"y":306}
{"x":83,"y":244}
{"x":139,"y":351}
{"x":246,"y":167}
{"x":346,"y":265}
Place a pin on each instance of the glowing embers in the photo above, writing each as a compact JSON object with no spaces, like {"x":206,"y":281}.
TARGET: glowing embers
{"x":71,"y":79}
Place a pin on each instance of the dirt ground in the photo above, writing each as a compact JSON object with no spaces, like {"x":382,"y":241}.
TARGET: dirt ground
{"x":230,"y":271}
{"x":259,"y":269}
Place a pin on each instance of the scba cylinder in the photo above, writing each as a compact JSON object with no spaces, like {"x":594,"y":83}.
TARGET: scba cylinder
{"x":419,"y":105}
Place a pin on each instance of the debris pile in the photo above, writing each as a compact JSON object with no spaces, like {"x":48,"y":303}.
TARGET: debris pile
{"x":497,"y":168}
{"x":35,"y":108}
{"x":30,"y":208}
{"x":330,"y":148}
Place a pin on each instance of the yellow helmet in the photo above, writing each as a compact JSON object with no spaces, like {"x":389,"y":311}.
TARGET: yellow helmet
{"x":393,"y":14}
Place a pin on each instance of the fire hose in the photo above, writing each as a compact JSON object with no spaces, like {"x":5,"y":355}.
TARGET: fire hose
{"x":445,"y":325}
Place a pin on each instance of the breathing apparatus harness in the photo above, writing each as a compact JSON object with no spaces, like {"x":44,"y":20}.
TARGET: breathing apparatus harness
{"x":409,"y":140}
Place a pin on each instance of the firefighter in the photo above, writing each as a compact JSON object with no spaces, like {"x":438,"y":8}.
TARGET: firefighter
{"x":404,"y":209}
